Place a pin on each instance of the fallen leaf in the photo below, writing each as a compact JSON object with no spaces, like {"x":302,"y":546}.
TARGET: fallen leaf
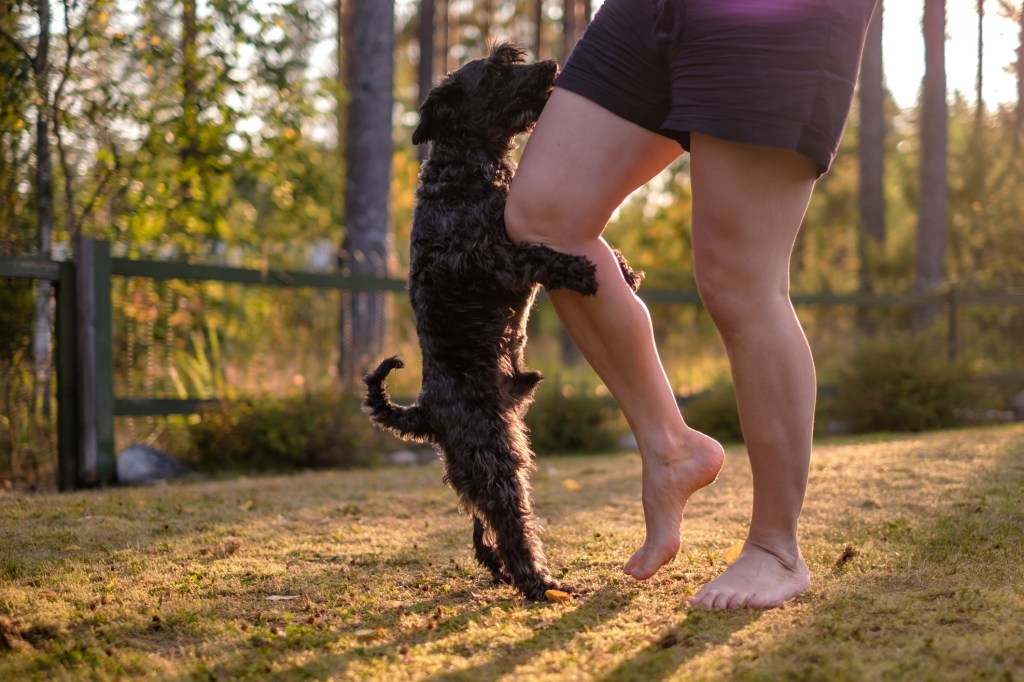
{"x":367,"y":633}
{"x":556,"y":595}
{"x":848,"y":553}
{"x":572,"y":485}
{"x":733,"y":553}
{"x":282,"y":597}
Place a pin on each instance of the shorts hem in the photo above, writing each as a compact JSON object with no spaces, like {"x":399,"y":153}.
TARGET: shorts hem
{"x":796,"y":137}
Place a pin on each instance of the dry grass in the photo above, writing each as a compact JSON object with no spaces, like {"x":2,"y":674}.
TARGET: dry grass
{"x":915,"y":545}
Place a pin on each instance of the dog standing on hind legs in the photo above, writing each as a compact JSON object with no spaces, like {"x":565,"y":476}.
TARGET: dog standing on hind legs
{"x":471,"y":290}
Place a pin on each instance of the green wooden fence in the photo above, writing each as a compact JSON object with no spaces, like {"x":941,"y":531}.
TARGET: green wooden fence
{"x":86,"y":404}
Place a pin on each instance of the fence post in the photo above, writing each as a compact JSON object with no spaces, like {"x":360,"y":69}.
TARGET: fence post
{"x":67,"y":380}
{"x":954,"y":313}
{"x":96,"y":363}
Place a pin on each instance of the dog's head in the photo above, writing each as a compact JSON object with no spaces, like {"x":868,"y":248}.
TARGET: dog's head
{"x":492,"y":99}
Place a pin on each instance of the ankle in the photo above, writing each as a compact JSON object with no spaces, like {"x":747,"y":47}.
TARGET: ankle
{"x":783,"y":546}
{"x":676,"y":447}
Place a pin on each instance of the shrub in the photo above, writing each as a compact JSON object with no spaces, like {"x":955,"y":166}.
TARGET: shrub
{"x":714,"y":412}
{"x":902,"y":384}
{"x":563,"y":420}
{"x":312,"y":430}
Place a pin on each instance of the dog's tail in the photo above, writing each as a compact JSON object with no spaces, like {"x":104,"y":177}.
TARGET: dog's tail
{"x":408,"y":423}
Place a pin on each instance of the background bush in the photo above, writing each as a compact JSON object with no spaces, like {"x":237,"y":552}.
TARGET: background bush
{"x":312,"y":430}
{"x":903,"y":384}
{"x":714,"y":412}
{"x":571,"y":421}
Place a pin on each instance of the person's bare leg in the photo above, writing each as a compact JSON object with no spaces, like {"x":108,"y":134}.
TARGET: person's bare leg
{"x":580,"y":163}
{"x":749,"y":202}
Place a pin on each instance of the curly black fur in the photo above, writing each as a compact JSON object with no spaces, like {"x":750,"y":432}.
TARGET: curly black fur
{"x":471,"y":290}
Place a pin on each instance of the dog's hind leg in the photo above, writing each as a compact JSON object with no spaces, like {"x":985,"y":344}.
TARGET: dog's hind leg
{"x":485,"y":554}
{"x":503,"y":499}
{"x":521,"y":385}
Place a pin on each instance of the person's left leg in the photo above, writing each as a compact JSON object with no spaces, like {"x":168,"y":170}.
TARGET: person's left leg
{"x":748,"y":204}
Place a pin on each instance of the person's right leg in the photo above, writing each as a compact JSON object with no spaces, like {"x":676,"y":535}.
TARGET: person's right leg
{"x":749,"y":202}
{"x":580,"y":163}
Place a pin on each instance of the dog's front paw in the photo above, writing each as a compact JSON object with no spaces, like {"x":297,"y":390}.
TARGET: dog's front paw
{"x":556,"y":270}
{"x":632,"y":277}
{"x":575,"y":273}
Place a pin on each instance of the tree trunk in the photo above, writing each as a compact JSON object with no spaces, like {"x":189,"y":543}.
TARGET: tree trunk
{"x":1020,"y":79}
{"x":871,"y":102}
{"x":44,"y":207}
{"x":538,"y":27}
{"x":426,"y":65}
{"x":189,"y":148}
{"x":568,"y":28}
{"x":929,"y":263}
{"x":871,"y":148}
{"x":979,"y":74}
{"x":369,"y":38}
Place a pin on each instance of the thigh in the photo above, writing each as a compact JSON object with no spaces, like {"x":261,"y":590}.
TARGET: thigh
{"x":580,"y":163}
{"x":748,"y":204}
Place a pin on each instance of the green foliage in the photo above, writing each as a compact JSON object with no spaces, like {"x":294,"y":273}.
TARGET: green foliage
{"x":903,"y":384}
{"x":311,"y":430}
{"x":565,"y":420}
{"x":714,"y":412}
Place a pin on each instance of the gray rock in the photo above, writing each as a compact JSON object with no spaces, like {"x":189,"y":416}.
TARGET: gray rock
{"x":410,"y":457}
{"x":403,"y":458}
{"x":140,"y":464}
{"x":628,"y":442}
{"x":1018,"y":405}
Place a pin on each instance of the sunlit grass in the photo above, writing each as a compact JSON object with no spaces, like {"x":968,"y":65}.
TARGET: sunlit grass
{"x":369,"y":575}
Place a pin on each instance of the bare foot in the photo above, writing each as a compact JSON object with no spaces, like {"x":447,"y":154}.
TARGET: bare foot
{"x":758,"y":579}
{"x":667,"y":485}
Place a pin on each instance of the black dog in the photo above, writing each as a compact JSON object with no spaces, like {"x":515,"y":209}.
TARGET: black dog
{"x":471,"y":290}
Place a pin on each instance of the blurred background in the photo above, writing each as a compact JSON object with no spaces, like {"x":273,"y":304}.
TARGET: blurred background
{"x":276,"y":136}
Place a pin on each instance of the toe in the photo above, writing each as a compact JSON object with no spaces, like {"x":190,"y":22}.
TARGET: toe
{"x":739,"y":600}
{"x":704,"y":599}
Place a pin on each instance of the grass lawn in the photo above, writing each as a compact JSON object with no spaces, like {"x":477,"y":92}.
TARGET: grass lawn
{"x":915,"y":545}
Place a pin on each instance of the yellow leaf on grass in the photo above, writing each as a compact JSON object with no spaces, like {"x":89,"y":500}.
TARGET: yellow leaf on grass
{"x":556,"y":595}
{"x":572,"y":485}
{"x":733,"y":553}
{"x":368,"y":634}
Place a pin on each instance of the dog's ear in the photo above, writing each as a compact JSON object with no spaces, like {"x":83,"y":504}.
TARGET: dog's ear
{"x":437,"y":111}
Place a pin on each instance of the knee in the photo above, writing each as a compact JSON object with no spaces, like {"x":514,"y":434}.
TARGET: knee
{"x":530,"y":217}
{"x":736,"y":301}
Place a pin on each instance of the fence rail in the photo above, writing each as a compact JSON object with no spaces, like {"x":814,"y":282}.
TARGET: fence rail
{"x":86,"y":404}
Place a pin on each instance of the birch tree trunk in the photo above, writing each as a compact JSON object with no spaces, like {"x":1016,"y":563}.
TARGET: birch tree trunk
{"x":44,"y":208}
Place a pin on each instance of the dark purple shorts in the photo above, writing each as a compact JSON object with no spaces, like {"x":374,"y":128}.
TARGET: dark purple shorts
{"x":779,"y":73}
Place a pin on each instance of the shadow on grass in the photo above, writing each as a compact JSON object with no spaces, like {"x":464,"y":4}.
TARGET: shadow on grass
{"x":938,"y":601}
{"x":691,"y":637}
{"x":595,"y":610}
{"x":551,"y":633}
